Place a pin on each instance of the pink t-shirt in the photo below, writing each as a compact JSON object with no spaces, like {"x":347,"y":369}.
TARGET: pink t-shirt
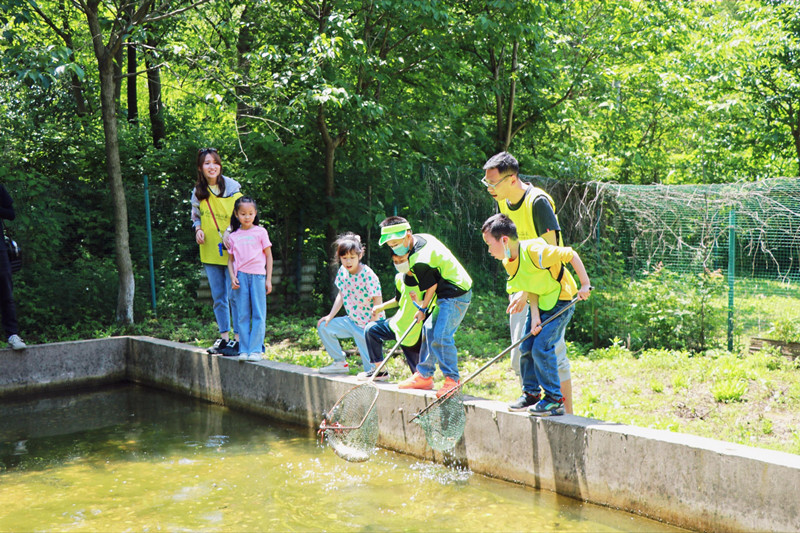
{"x":247,"y":249}
{"x":358,"y":292}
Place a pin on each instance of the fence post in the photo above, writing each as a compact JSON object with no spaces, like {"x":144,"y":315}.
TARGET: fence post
{"x":149,"y":245}
{"x":731,"y":273}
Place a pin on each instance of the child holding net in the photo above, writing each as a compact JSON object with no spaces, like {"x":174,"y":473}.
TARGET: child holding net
{"x":359,"y":292}
{"x":439,"y":274}
{"x":536,"y":272}
{"x":406,"y":298}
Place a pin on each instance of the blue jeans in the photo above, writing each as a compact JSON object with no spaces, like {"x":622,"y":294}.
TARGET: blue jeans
{"x":251,"y":303}
{"x":219,"y":281}
{"x":438,"y":334}
{"x":538,"y":363}
{"x":343,"y":327}
{"x":379,"y":331}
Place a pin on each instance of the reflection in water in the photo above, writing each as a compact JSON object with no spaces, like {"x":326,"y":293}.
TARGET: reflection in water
{"x":133,"y":458}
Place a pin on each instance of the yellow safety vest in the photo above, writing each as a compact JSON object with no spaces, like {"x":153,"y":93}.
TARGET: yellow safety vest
{"x":540,"y":276}
{"x":222,"y":209}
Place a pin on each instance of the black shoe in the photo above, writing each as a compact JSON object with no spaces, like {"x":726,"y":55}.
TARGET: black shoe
{"x":231,"y":349}
{"x":523,"y":402}
{"x":215,"y":348}
{"x":366,"y":376}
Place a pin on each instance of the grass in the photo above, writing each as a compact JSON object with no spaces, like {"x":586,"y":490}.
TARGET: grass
{"x":750,"y":399}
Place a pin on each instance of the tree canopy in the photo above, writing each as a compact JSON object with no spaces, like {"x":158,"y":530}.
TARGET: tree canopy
{"x":325,"y":110}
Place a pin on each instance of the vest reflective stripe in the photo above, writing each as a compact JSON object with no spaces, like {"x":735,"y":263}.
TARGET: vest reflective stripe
{"x":402,"y":319}
{"x":222,"y":207}
{"x":438,"y":256}
{"x":536,"y":279}
{"x":523,"y":217}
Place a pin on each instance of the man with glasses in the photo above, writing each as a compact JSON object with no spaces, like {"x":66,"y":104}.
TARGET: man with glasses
{"x":533,"y":212}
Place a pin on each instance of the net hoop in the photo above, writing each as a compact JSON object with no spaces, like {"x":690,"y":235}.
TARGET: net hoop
{"x":351,"y":426}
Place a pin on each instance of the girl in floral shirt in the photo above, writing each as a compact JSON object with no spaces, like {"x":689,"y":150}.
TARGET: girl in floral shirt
{"x":359,"y":291}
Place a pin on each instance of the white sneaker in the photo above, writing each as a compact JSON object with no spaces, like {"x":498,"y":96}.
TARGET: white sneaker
{"x":337,"y":367}
{"x":15,"y":342}
{"x":254,"y":357}
{"x":243,"y":357}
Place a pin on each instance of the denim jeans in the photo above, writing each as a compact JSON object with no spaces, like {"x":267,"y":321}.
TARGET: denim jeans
{"x":251,"y":307}
{"x":219,"y":281}
{"x":538,"y":363}
{"x":438,"y":343}
{"x":379,"y":331}
{"x":8,"y":310}
{"x":343,"y":327}
{"x":517,"y":322}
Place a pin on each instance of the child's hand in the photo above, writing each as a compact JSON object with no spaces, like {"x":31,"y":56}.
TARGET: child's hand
{"x":234,"y":282}
{"x":326,"y":319}
{"x":199,"y":236}
{"x":414,"y":297}
{"x":517,"y":302}
{"x":419,"y":316}
{"x":269,"y":286}
{"x":583,"y":292}
{"x":535,"y":325}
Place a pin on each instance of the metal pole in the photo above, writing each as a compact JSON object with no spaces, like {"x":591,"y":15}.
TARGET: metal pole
{"x":731,"y":273}
{"x":149,"y":245}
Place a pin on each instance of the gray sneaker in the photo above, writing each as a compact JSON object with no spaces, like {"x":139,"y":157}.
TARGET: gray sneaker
{"x":15,"y":342}
{"x":337,"y":367}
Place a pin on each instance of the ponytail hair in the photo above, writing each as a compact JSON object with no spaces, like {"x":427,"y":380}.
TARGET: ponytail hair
{"x":346,"y":243}
{"x":235,"y":224}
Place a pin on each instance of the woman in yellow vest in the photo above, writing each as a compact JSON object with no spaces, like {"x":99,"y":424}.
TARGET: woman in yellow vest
{"x":536,"y":272}
{"x":212,"y":204}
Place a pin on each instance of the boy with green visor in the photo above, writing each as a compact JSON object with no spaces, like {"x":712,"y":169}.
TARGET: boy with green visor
{"x":439,"y":274}
{"x":391,"y":329}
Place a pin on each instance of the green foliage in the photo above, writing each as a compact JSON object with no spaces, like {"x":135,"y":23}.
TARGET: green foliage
{"x":729,"y":390}
{"x":660,"y":309}
{"x":785,"y":330}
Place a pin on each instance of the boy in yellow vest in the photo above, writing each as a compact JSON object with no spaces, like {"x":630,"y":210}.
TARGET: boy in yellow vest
{"x":536,"y":271}
{"x":532,"y":211}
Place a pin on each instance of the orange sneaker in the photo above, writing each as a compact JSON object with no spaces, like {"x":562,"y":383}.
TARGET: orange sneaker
{"x":449,"y":384}
{"x":417,"y":382}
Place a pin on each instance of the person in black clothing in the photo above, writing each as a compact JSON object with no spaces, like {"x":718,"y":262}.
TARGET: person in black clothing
{"x":7,"y":308}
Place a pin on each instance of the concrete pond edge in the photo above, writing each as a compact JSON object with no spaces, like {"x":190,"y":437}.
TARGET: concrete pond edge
{"x":693,"y":482}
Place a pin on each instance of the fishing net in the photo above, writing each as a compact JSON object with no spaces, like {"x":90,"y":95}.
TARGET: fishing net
{"x":351,"y":426}
{"x":444,"y":422}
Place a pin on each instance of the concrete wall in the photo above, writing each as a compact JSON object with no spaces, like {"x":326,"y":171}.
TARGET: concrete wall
{"x":698,"y":483}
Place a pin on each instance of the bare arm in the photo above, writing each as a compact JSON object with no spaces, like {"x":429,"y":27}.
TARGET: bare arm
{"x":337,"y":305}
{"x":268,"y":253}
{"x":580,"y":270}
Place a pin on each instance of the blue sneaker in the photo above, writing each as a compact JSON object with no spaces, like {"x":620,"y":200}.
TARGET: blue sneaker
{"x":547,"y":407}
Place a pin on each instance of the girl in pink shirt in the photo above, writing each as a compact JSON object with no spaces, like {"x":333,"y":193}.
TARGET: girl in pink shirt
{"x":250,"y":267}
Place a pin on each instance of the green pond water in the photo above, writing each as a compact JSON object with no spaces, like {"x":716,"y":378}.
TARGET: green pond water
{"x":131,"y":458}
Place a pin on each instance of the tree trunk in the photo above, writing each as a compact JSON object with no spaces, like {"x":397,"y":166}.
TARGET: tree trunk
{"x":133,"y":107}
{"x":117,"y":63}
{"x":108,"y":106}
{"x":329,"y":146}
{"x":244,"y":46}
{"x":155,"y":104}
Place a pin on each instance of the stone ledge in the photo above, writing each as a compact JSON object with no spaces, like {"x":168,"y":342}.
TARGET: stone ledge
{"x":693,"y":482}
